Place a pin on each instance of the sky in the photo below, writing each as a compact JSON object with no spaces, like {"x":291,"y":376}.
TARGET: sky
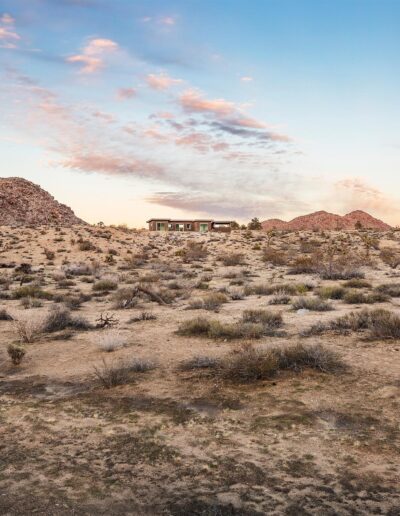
{"x":228,"y":109}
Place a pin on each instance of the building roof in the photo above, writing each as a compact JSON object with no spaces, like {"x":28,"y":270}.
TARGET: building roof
{"x":180,"y":220}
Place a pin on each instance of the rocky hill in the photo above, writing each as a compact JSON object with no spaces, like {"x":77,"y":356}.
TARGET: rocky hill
{"x":325,"y":220}
{"x":25,"y":203}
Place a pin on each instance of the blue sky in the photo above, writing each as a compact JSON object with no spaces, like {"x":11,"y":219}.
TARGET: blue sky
{"x":231,"y":109}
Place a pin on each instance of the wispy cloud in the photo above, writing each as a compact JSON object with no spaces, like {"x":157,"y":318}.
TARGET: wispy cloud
{"x":9,"y":37}
{"x":92,"y":57}
{"x":161,"y":81}
{"x":126,"y":93}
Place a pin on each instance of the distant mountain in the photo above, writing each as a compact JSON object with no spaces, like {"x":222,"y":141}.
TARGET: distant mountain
{"x":24,"y":203}
{"x":325,"y":220}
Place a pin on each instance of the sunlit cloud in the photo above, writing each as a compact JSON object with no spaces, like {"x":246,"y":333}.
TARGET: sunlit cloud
{"x":9,"y":37}
{"x":161,"y":81}
{"x":246,"y":78}
{"x":126,"y":93}
{"x":93,"y":55}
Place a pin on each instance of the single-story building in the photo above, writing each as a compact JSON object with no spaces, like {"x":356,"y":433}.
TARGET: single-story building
{"x":201,"y":225}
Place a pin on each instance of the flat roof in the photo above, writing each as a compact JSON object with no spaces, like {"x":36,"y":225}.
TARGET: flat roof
{"x":180,"y":220}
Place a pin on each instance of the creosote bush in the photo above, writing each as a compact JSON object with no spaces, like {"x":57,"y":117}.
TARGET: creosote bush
{"x":60,"y":318}
{"x":232,"y":259}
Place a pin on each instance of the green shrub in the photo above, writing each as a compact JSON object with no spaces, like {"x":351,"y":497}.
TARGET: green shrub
{"x":357,"y":283}
{"x":389,"y":289}
{"x":355,"y":297}
{"x":212,"y":301}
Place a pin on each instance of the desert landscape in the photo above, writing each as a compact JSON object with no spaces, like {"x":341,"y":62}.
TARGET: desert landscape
{"x":245,"y":373}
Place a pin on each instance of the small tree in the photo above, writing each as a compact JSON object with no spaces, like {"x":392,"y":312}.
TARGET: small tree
{"x":358,"y":225}
{"x":234,"y":225}
{"x":254,"y":224}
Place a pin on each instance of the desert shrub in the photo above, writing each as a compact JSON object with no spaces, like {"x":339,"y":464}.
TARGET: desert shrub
{"x":60,"y":318}
{"x":268,"y":319}
{"x":303,"y":265}
{"x":104,"y":285}
{"x":267,"y":290}
{"x":16,"y":352}
{"x":274,"y":256}
{"x":280,"y":300}
{"x":194,"y":251}
{"x":232,"y":259}
{"x":124,"y":298}
{"x":389,"y":289}
{"x":334,"y":292}
{"x":28,"y":328}
{"x":110,"y":341}
{"x":50,"y":255}
{"x":86,"y":245}
{"x":356,"y":297}
{"x":236,"y":294}
{"x":33,"y":291}
{"x":31,"y":302}
{"x":144,"y":316}
{"x":212,"y":301}
{"x":380,"y":323}
{"x":79,"y":269}
{"x":214,"y":329}
{"x":390,"y":257}
{"x":252,"y":364}
{"x":4,"y":315}
{"x":311,"y":303}
{"x":199,"y":362}
{"x":357,"y":283}
{"x":120,"y":373}
{"x":384,"y":324}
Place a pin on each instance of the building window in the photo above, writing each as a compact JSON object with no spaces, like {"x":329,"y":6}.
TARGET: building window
{"x":188,"y":227}
{"x":160,"y":226}
{"x":203,"y":227}
{"x":170,"y":227}
{"x":179,"y":227}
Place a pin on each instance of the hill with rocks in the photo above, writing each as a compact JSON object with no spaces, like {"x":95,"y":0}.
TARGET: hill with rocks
{"x":23,"y":203}
{"x":325,"y":221}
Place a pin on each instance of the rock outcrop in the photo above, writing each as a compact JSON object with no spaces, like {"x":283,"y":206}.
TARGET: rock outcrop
{"x":326,"y":221}
{"x":24,"y":203}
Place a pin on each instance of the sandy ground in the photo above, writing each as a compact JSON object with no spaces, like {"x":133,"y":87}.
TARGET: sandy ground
{"x":182,"y":442}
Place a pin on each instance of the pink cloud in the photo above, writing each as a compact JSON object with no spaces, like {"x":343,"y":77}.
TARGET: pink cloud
{"x":126,"y":93}
{"x":161,"y":81}
{"x":7,"y":19}
{"x":168,"y":20}
{"x":193,"y":102}
{"x":92,"y":56}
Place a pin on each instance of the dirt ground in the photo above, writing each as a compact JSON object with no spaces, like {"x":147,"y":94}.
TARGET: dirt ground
{"x":176,"y":440}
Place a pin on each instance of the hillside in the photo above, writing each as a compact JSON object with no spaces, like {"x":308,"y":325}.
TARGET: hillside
{"x":25,"y":203}
{"x":325,"y":220}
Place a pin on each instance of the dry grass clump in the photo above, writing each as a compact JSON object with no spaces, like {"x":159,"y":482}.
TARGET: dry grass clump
{"x":124,"y":298}
{"x":121,"y":372}
{"x":261,"y":325}
{"x":16,"y":352}
{"x":267,"y":290}
{"x":380,"y":324}
{"x":251,"y":364}
{"x":33,"y":291}
{"x":104,"y":285}
{"x":110,"y":341}
{"x":355,"y":297}
{"x":391,"y":257}
{"x":28,"y":328}
{"x":232,"y":259}
{"x":199,"y":362}
{"x":315,"y":304}
{"x":212,"y":301}
{"x":389,"y":289}
{"x":303,"y":265}
{"x":332,"y":292}
{"x":357,"y":283}
{"x":144,"y":316}
{"x":274,"y":256}
{"x":194,"y":251}
{"x":280,"y":299}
